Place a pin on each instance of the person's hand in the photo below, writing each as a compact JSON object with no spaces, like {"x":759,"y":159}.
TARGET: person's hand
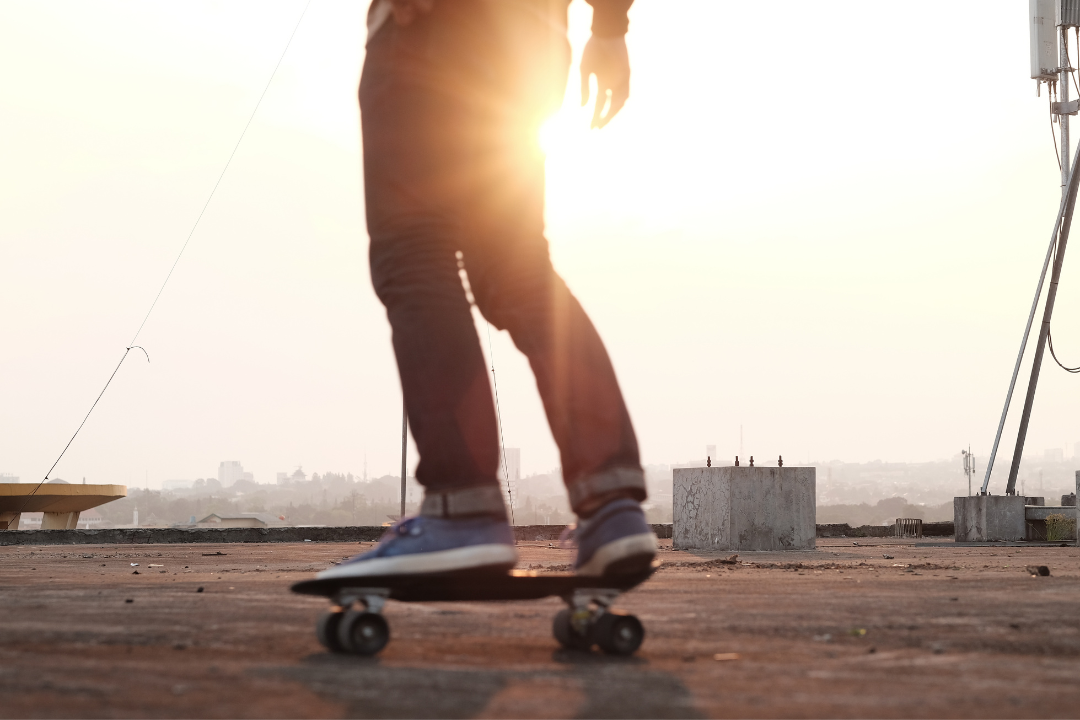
{"x":607,"y":59}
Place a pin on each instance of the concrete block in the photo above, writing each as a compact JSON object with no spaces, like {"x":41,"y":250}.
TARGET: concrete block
{"x":744,"y":508}
{"x":984,"y":518}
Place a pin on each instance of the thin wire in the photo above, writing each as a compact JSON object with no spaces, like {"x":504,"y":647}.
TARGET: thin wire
{"x":223,"y":171}
{"x":1050,"y":99}
{"x":1050,"y":343}
{"x":85,"y":418}
{"x":498,"y":414}
{"x":132,"y":344}
{"x":1068,"y":60}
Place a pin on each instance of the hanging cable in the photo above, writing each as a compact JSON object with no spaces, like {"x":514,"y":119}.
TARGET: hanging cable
{"x":1068,"y":60}
{"x":132,"y":344}
{"x":1050,"y":344}
{"x":1050,"y":99}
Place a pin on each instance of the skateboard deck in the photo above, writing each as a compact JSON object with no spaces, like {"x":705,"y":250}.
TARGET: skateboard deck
{"x":355,"y":623}
{"x":456,"y":587}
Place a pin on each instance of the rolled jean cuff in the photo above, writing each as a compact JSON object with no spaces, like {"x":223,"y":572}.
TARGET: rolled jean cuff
{"x":629,"y":479}
{"x":467,"y":502}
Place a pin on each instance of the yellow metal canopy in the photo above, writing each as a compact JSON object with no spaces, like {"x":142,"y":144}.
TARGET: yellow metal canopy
{"x":57,"y":497}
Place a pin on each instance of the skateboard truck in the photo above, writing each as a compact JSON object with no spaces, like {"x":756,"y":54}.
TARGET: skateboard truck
{"x":361,"y":631}
{"x":373,"y":599}
{"x":589,"y":620}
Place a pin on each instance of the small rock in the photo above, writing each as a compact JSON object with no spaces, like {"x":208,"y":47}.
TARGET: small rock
{"x":1036,"y":570}
{"x":200,"y":589}
{"x":888,"y":557}
{"x":129,"y":600}
{"x":134,"y":572}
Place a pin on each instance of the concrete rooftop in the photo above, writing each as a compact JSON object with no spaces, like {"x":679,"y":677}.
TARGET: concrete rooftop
{"x":934,"y":631}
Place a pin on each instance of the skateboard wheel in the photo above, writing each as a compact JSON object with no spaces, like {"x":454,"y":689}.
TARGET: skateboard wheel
{"x":564,"y":632}
{"x":618,"y":634}
{"x":326,"y":629}
{"x":363,"y":633}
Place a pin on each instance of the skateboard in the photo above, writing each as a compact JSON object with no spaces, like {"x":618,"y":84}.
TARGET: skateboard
{"x":355,"y":624}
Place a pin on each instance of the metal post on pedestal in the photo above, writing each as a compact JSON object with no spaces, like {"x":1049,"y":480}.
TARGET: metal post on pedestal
{"x":1068,"y":189}
{"x":1049,"y":23}
{"x":404,"y":450}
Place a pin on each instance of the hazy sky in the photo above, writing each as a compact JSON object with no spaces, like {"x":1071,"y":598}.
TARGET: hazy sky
{"x":820,"y":221}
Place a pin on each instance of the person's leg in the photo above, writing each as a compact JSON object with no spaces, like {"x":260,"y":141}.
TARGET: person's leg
{"x":515,"y":286}
{"x":416,"y":123}
{"x":413,"y":122}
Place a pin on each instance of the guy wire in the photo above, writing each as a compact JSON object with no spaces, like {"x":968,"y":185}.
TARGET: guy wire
{"x":132,"y":344}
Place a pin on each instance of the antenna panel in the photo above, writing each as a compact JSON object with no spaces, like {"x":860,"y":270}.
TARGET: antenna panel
{"x":1068,"y":13}
{"x":1042,"y":16}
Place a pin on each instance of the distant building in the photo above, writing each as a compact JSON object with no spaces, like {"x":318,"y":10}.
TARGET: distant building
{"x":243,"y":520}
{"x":177,"y":484}
{"x":1054,"y":455}
{"x":231,"y":471}
{"x":5,"y":478}
{"x":89,"y":519}
{"x":297,"y":476}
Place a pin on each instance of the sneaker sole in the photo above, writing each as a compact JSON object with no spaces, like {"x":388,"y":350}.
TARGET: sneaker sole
{"x":626,"y":556}
{"x":472,"y":557}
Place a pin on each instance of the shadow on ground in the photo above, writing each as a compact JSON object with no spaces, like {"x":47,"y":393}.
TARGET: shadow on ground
{"x":584,"y":685}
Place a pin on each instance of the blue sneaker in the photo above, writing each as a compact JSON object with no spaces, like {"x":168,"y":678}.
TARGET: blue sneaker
{"x":615,"y":541}
{"x":425,"y":544}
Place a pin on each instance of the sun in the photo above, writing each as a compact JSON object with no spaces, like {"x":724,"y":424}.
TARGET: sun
{"x":564,"y":131}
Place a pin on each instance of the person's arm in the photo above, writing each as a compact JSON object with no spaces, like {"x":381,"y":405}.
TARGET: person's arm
{"x":605,"y":56}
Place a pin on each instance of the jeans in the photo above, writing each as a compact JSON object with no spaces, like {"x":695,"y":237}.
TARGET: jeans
{"x":454,"y":190}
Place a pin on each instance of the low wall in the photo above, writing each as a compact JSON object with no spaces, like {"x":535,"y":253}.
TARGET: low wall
{"x":549,"y":533}
{"x":154,"y":536}
{"x":836,"y":530}
{"x":523,"y":533}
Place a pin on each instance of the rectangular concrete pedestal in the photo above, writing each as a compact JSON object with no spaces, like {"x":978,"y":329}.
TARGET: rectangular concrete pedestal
{"x":987,"y":518}
{"x":744,"y":508}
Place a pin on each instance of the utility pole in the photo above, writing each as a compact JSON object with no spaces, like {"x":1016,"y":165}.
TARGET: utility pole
{"x":1049,"y":23}
{"x":404,"y":450}
{"x":1063,"y":110}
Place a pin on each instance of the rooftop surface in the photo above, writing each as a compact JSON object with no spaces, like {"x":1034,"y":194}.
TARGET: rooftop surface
{"x":937,"y":630}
